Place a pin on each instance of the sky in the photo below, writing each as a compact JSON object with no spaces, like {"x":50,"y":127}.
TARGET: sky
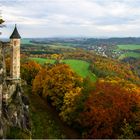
{"x":71,"y":18}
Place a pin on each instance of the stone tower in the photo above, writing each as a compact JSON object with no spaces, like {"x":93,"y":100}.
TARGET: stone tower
{"x":15,"y":54}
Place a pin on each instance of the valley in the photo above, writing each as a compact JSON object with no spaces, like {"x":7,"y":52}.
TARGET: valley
{"x":60,"y":49}
{"x":70,"y":69}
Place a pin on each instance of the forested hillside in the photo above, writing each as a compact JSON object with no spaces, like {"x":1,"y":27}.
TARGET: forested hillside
{"x":106,"y":107}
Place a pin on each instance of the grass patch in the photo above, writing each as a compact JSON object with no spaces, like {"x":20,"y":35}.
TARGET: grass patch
{"x":45,"y":122}
{"x":129,"y":47}
{"x":17,"y":133}
{"x":43,"y":126}
{"x":43,"y":60}
{"x":130,"y":54}
{"x":79,"y":66}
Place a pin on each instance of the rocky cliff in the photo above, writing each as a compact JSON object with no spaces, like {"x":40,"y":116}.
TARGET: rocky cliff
{"x":14,"y":110}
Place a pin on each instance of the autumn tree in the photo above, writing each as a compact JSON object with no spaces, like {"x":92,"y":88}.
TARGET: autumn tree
{"x":74,"y":102}
{"x":104,"y":67}
{"x":107,"y":106}
{"x":29,"y":70}
{"x":57,"y":81}
{"x":68,"y":111}
{"x":38,"y":82}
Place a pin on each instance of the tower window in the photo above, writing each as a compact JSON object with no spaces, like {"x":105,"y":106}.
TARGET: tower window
{"x":15,"y":43}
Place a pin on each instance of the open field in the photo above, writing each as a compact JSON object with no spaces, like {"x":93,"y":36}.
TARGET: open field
{"x":79,"y":66}
{"x":129,"y":51}
{"x":43,"y":60}
{"x":130,"y":54}
{"x":61,"y":45}
{"x":129,"y":47}
{"x":25,"y":41}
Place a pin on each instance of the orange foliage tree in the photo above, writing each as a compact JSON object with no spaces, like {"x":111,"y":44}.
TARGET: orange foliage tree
{"x":104,"y":67}
{"x":55,"y":82}
{"x":29,"y":70}
{"x":38,"y":82}
{"x":107,"y":106}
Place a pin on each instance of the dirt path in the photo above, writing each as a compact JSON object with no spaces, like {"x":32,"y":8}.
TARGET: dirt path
{"x":46,"y":122}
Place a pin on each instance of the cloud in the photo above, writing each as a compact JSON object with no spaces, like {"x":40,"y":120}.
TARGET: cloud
{"x":73,"y":17}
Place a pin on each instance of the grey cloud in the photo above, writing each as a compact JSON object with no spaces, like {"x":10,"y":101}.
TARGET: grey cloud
{"x":81,"y":17}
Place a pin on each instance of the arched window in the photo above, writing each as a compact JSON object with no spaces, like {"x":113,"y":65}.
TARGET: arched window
{"x":15,"y":43}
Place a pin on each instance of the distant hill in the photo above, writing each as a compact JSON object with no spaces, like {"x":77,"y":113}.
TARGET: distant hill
{"x":116,"y":41}
{"x":85,"y":41}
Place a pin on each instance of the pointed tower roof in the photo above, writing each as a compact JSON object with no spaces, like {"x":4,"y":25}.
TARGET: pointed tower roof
{"x":15,"y":34}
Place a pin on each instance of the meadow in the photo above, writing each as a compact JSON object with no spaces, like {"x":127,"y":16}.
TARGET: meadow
{"x":79,"y":66}
{"x":129,"y":47}
{"x":43,"y":60}
{"x":129,"y":51}
{"x":130,"y":54}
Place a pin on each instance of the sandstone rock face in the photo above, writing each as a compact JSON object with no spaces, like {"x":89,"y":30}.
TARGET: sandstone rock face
{"x":13,"y":104}
{"x":1,"y":87}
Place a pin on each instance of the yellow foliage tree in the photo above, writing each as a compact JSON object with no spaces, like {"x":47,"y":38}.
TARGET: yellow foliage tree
{"x":57,"y":81}
{"x":69,"y":104}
